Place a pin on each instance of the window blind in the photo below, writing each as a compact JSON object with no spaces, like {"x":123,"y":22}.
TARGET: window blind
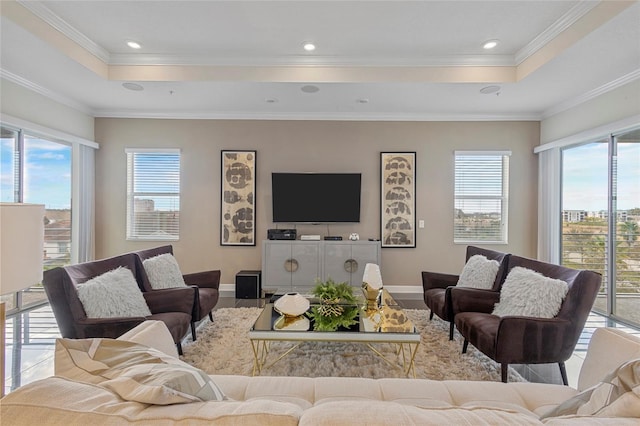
{"x":481,"y":196}
{"x":153,"y":194}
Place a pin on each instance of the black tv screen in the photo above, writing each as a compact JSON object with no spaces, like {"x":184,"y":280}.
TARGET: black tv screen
{"x":316,"y":197}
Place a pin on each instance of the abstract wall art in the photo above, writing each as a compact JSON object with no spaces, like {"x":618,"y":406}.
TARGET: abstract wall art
{"x":238,"y":201}
{"x":398,"y":199}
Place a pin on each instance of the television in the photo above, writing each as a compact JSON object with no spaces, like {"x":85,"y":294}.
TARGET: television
{"x":316,"y":197}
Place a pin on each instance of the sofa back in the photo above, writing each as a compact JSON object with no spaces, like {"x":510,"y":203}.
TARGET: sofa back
{"x":60,"y":286}
{"x":502,"y":258}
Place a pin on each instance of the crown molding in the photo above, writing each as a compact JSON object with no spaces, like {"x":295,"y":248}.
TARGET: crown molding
{"x":300,"y":60}
{"x":565,"y":21}
{"x":592,"y":94}
{"x":303,"y":116}
{"x":50,"y":94}
{"x":40,"y":10}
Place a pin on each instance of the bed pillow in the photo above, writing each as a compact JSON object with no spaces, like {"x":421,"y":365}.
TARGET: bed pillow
{"x":163,"y":272}
{"x":479,"y":272}
{"x":114,"y":294}
{"x":135,"y":372}
{"x":530,"y":294}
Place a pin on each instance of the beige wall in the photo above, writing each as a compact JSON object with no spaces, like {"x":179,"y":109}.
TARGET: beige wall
{"x":320,"y":146}
{"x":27,"y":105}
{"x":610,"y":107}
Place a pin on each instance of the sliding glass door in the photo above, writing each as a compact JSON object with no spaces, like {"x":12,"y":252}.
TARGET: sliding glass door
{"x":600,"y":219}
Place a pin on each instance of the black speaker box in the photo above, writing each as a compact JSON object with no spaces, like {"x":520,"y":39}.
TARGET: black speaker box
{"x":248,"y":285}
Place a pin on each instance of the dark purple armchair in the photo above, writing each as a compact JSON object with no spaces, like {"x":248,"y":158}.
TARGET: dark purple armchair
{"x":528,"y":340}
{"x":206,"y":283}
{"x":173,"y":307}
{"x":437,"y":287}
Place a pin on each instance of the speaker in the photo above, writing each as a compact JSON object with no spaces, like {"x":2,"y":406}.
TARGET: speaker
{"x":248,"y":285}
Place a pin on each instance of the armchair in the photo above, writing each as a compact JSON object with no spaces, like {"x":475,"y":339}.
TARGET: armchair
{"x":529,"y":340}
{"x":173,"y":307}
{"x":438,"y":287}
{"x":206,"y":283}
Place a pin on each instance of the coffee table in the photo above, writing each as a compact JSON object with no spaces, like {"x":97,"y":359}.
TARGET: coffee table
{"x":387,"y":324}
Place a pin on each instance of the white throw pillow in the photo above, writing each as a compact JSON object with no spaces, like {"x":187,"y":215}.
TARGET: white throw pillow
{"x":163,"y":272}
{"x":530,"y":294}
{"x":113,"y":294}
{"x":479,"y":272}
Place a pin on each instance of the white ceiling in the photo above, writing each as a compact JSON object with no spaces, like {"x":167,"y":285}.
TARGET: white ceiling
{"x":375,"y":60}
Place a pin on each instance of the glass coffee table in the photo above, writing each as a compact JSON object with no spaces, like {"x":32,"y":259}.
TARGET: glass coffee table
{"x":386,"y":324}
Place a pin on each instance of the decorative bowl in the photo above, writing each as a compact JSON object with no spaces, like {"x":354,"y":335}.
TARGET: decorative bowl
{"x":291,"y":305}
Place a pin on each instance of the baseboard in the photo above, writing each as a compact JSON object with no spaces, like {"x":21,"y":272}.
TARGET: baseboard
{"x":405,"y":292}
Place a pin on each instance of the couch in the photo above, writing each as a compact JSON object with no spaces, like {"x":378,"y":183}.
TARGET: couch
{"x":327,"y":400}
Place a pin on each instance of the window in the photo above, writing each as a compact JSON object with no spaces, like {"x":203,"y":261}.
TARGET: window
{"x":481,"y":196}
{"x":153,"y":194}
{"x":38,"y":170}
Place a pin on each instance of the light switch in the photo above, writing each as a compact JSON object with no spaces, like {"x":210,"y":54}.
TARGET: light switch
{"x":421,"y":224}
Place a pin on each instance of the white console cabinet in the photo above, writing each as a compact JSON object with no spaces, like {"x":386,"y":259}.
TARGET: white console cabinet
{"x":294,"y":265}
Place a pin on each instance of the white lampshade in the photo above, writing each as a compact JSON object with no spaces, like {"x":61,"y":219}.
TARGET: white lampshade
{"x":22,"y":244}
{"x":372,"y":276}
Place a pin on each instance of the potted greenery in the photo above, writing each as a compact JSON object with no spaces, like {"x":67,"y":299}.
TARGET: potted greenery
{"x":337,"y":306}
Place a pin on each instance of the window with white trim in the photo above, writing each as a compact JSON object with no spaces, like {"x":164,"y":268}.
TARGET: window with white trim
{"x":481,"y":197}
{"x":153,"y":194}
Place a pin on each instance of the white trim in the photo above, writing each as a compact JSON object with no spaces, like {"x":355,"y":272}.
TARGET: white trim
{"x":594,"y":134}
{"x":320,"y":116}
{"x":591,"y":94}
{"x":40,"y":10}
{"x":153,"y":150}
{"x":483,"y":152}
{"x":50,"y":94}
{"x":554,"y":30}
{"x":46,"y":132}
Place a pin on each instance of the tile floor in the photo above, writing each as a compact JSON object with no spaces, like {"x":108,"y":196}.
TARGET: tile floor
{"x":31,"y":335}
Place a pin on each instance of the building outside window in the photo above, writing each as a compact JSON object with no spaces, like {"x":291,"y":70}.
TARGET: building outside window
{"x":481,"y":197}
{"x":153,"y":194}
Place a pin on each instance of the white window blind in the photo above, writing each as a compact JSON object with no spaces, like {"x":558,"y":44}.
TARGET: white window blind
{"x":153,"y":194}
{"x":481,"y":196}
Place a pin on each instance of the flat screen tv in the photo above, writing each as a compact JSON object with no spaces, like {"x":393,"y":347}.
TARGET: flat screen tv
{"x":316,"y":197}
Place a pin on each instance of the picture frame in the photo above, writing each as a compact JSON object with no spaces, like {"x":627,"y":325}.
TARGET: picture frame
{"x":398,"y":199}
{"x":237,"y":198}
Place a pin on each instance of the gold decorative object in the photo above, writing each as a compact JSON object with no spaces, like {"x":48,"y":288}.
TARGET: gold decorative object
{"x":299,"y":323}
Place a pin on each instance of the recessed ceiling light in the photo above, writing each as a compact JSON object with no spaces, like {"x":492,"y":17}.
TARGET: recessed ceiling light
{"x":310,"y":89}
{"x":133,"y":86}
{"x":363,"y":100}
{"x":488,"y":90}
{"x":309,"y":47}
{"x":134,"y":45}
{"x":271,"y":100}
{"x":490,"y":44}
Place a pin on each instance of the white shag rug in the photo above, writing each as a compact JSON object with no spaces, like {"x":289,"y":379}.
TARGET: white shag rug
{"x":223,"y":347}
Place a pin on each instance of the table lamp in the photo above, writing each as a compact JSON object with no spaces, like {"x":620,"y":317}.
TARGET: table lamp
{"x":21,"y":253}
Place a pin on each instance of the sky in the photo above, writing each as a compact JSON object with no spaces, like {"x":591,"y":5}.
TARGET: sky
{"x":47,"y":173}
{"x":584,"y":177}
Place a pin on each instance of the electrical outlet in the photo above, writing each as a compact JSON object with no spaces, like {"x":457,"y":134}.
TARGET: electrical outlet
{"x":421,"y":224}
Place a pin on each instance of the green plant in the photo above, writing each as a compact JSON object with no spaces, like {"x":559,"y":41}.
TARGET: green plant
{"x":337,"y":306}
{"x":332,"y":292}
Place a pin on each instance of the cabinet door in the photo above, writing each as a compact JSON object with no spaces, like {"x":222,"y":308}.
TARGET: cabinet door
{"x":336,"y":254}
{"x":276,"y":265}
{"x":363,"y":254}
{"x":306,"y":257}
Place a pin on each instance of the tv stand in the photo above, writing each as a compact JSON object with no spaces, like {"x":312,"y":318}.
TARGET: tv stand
{"x":295,"y":265}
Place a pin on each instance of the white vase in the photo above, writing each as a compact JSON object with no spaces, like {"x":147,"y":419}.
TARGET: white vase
{"x":291,"y":304}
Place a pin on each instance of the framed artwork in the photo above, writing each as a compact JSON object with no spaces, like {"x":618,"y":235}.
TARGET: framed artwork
{"x":398,"y":199}
{"x":238,"y":201}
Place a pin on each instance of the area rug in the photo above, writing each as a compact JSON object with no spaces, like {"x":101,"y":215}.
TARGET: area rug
{"x":223,"y":347}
